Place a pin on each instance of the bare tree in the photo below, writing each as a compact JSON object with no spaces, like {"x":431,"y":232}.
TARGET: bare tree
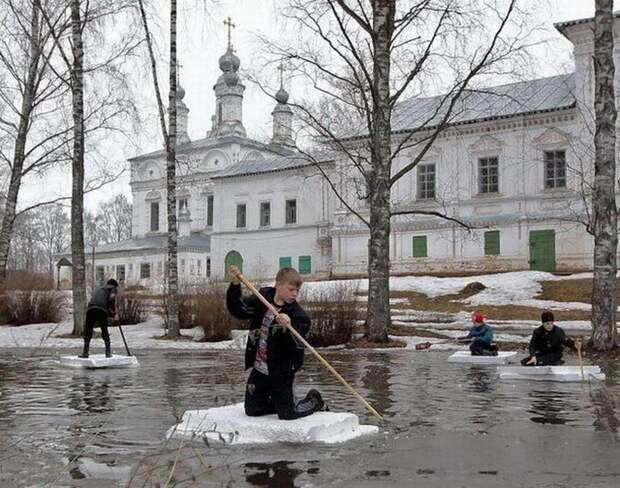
{"x":365,"y":57}
{"x":169,"y":135}
{"x":604,"y":332}
{"x":114,"y":219}
{"x":54,"y":232}
{"x":31,"y":100}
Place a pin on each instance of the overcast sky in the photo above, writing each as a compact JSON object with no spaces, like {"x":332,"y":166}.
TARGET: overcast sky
{"x":202,"y":40}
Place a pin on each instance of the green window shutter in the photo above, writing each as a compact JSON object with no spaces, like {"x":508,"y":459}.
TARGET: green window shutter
{"x":305,"y":265}
{"x":285,"y":263}
{"x":491,"y":243}
{"x":419,"y":247}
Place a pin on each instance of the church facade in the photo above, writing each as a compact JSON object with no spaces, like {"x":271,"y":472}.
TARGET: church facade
{"x":512,"y":164}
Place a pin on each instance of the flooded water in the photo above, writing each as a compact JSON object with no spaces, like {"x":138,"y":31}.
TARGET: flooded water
{"x":446,"y":425}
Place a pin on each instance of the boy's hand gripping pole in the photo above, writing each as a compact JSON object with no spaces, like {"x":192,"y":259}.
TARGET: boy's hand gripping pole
{"x":301,"y":339}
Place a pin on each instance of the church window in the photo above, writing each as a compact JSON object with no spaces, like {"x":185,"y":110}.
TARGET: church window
{"x":419,"y":247}
{"x":181,"y":205}
{"x":555,"y":169}
{"x":285,"y":262}
{"x":154,"y":216}
{"x":120,"y":272}
{"x":241,"y":215}
{"x":145,"y":271}
{"x":99,"y":274}
{"x":199,"y":267}
{"x":305,"y":264}
{"x":488,"y":175}
{"x":159,"y":268}
{"x":265,"y":214}
{"x":426,"y":182}
{"x":209,"y":210}
{"x":208,"y":267}
{"x":291,"y":211}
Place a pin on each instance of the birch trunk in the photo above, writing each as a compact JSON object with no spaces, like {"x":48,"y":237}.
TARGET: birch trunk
{"x":378,"y":314}
{"x":8,"y":217}
{"x":604,"y":331}
{"x":172,"y":302}
{"x":77,"y":192}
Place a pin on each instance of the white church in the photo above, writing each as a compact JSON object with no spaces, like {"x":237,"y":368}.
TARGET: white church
{"x":511,"y":164}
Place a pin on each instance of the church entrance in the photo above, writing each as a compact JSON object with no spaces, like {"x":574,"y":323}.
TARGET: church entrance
{"x":233,"y":258}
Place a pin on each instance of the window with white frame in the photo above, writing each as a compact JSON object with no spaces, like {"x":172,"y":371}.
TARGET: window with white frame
{"x":265,"y":214}
{"x":488,"y":175}
{"x":426,"y":182}
{"x":208,"y":267}
{"x":145,"y":270}
{"x":154,"y":216}
{"x":241,"y":215}
{"x":290,"y":211}
{"x":209,"y":210}
{"x":555,"y":169}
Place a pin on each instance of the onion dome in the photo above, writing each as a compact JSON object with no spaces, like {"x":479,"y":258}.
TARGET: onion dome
{"x":282,"y":96}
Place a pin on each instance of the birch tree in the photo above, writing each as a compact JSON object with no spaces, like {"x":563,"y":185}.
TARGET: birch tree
{"x":30,"y":101}
{"x":365,"y":57}
{"x":169,"y":136}
{"x":604,"y":332}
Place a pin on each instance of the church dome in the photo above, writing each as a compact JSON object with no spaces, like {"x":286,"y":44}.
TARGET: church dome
{"x":229,"y":62}
{"x":282,"y":96}
{"x":180,"y":92}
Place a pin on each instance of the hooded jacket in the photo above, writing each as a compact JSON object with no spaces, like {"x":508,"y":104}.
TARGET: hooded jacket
{"x":285,"y":353}
{"x":482,"y":333}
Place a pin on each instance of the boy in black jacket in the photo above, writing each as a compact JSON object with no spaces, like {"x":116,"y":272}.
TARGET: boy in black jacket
{"x":272,"y":351}
{"x":547,"y":344}
{"x":101,"y":305}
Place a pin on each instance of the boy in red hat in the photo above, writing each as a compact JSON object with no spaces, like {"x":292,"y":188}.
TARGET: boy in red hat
{"x":481,"y":336}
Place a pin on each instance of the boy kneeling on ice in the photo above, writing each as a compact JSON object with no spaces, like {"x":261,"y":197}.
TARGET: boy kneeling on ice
{"x":547,"y":343}
{"x":481,"y":336}
{"x":272,"y":351}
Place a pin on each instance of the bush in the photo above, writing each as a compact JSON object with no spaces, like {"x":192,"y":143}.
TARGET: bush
{"x":333,"y":311}
{"x":22,"y":280}
{"x":130,"y":308}
{"x":210,"y":312}
{"x":34,"y":307}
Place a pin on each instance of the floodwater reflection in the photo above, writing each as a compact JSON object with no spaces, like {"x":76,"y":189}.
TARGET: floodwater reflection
{"x":80,"y":428}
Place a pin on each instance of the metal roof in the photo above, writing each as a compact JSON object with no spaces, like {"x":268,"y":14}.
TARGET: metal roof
{"x":156,"y":242}
{"x":269,"y":165}
{"x":525,"y":97}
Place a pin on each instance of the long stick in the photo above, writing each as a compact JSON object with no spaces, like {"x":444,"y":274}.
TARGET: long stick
{"x":124,"y":341}
{"x":300,"y":338}
{"x":583,"y":378}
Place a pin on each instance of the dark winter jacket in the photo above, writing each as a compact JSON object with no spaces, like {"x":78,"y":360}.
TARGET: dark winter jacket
{"x":285,"y":353}
{"x":483,"y":333}
{"x":104,"y":299}
{"x":544,"y":342}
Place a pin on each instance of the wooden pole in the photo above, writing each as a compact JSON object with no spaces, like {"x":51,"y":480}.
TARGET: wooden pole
{"x":583,"y":378}
{"x":300,"y":338}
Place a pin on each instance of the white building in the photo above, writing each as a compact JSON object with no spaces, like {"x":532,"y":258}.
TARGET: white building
{"x":512,"y":162}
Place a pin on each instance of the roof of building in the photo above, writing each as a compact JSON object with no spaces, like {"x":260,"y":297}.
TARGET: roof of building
{"x":521,"y":98}
{"x":156,"y":242}
{"x":270,"y":165}
{"x":560,"y":25}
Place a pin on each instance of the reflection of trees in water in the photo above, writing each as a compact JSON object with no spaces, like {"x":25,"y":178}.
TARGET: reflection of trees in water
{"x":604,"y":404}
{"x":549,"y":406}
{"x":376,"y":380}
{"x":277,"y":474}
{"x":481,"y":382}
{"x":90,"y":394}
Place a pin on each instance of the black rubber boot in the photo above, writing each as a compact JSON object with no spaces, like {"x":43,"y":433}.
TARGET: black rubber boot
{"x":108,"y":350}
{"x":84,"y":354}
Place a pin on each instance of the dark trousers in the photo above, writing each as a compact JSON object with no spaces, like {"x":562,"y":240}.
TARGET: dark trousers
{"x":273,"y":393}
{"x":96,"y":317}
{"x":479,"y":348}
{"x":549,"y":359}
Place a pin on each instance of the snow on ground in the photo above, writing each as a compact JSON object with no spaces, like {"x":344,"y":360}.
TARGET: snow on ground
{"x":141,"y":336}
{"x":514,"y":288}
